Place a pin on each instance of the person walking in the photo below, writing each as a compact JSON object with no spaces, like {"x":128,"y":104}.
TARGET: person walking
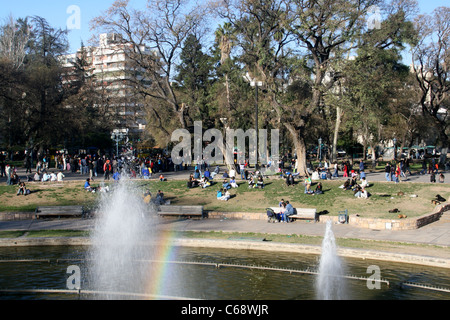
{"x":28,"y":165}
{"x":387,"y":172}
{"x":336,"y":170}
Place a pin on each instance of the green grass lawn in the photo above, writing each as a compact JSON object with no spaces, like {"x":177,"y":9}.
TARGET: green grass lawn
{"x":384,"y":196}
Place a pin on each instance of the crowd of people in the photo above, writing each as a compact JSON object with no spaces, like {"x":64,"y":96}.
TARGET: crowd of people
{"x":394,"y":172}
{"x":204,"y":176}
{"x":205,"y":179}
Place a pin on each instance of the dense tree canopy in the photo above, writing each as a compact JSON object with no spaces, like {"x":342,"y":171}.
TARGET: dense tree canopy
{"x":328,"y":69}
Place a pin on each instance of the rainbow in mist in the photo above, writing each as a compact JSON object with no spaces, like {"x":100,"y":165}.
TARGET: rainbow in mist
{"x":129,"y":253}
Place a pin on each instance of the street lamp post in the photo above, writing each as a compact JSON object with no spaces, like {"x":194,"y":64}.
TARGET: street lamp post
{"x":395,"y":148}
{"x":117,"y":135}
{"x":320,"y":149}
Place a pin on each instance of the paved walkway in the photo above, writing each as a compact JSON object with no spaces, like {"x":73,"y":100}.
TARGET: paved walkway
{"x":437,"y":233}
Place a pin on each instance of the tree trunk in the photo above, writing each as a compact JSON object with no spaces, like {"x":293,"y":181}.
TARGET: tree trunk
{"x":300,"y":148}
{"x":336,"y":134}
{"x":227,"y":86}
{"x":374,"y":158}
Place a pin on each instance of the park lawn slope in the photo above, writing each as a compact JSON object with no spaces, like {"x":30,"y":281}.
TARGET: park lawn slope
{"x":385,"y":196}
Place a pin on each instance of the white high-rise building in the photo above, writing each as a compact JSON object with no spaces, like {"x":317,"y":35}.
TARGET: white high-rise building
{"x":113,"y":73}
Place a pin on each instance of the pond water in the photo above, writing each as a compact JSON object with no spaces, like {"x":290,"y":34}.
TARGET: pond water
{"x":204,"y":281}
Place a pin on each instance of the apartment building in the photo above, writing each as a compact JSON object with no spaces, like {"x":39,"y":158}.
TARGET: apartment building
{"x":113,"y":74}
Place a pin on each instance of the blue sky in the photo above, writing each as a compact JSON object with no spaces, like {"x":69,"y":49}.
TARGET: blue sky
{"x":57,"y":14}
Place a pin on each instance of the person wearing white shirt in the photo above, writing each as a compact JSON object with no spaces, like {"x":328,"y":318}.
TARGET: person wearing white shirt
{"x":53,"y":176}
{"x":45,"y":177}
{"x":60,"y":176}
{"x":364,"y":183}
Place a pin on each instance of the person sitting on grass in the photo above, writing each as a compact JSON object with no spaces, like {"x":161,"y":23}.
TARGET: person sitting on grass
{"x":227,"y":196}
{"x":87,"y":186}
{"x":37,"y":177}
{"x":308,"y":183}
{"x":22,"y":189}
{"x":207,"y":174}
{"x":251,"y":182}
{"x":364,"y":182}
{"x":260,"y":182}
{"x":290,"y":180}
{"x":318,"y":189}
{"x":353,"y":183}
{"x":233,"y":182}
{"x":192,"y":182}
{"x":60,"y":176}
{"x":45,"y":177}
{"x":328,"y":175}
{"x":215,"y":172}
{"x":347,"y":185}
{"x":53,"y":176}
{"x":226,"y":184}
{"x":205,"y":182}
{"x":361,"y":193}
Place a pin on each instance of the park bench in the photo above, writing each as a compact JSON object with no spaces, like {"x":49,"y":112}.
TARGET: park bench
{"x":301,"y":213}
{"x":181,"y":211}
{"x":59,"y":211}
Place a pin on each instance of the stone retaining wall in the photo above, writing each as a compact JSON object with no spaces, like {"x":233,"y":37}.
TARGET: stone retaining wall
{"x":11,"y":216}
{"x":369,"y":223}
{"x":400,"y":224}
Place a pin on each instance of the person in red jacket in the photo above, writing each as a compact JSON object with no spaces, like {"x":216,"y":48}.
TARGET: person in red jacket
{"x":107,"y":169}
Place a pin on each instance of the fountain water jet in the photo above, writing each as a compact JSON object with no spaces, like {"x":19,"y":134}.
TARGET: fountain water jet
{"x":119,"y":250}
{"x":330,"y":284}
